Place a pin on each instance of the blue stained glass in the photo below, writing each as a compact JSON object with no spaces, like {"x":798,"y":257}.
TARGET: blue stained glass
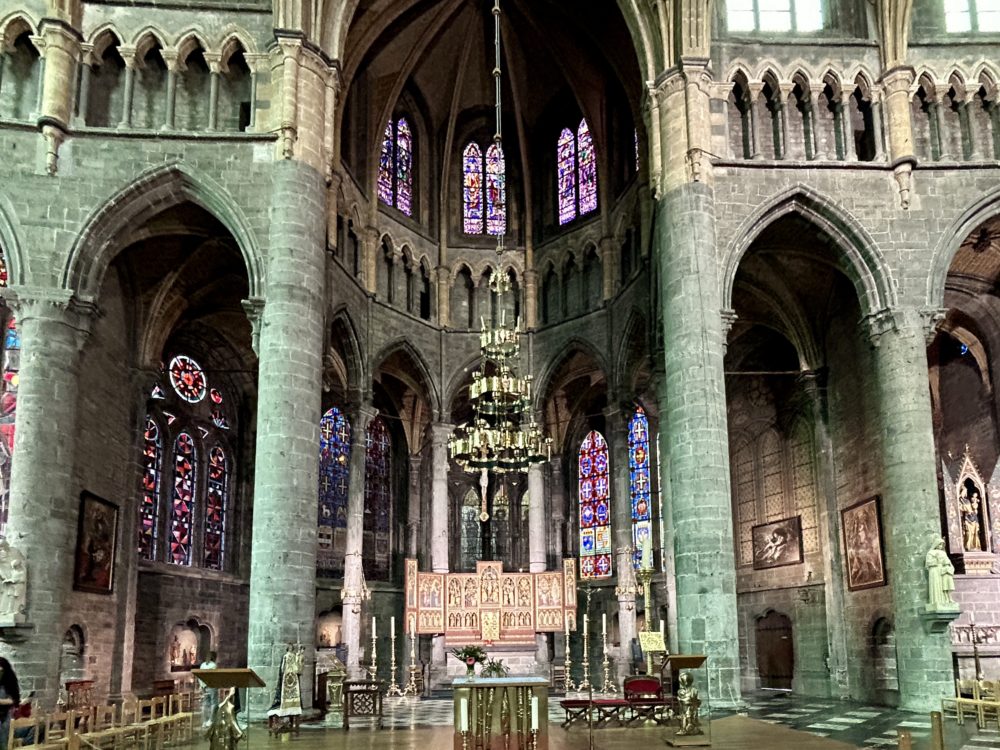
{"x":472,"y":191}
{"x":404,"y":167}
{"x":334,"y":460}
{"x":385,"y":167}
{"x":496,"y":191}
{"x":587,"y":167}
{"x":378,"y":500}
{"x":639,"y":483}
{"x":566,"y":175}
{"x":595,"y":508}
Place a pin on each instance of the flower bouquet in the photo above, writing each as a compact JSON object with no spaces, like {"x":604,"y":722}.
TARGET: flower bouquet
{"x":494,"y":668}
{"x":470,"y":656}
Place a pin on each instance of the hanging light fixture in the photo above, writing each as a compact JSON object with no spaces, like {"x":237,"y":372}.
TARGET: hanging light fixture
{"x":503,"y":435}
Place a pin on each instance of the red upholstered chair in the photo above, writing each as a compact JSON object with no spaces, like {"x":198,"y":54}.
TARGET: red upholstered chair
{"x":645,"y":698}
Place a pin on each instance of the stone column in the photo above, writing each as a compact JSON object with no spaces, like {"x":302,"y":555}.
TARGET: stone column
{"x":215,"y":70}
{"x":896,"y":86}
{"x":413,"y":507}
{"x":86,"y":73}
{"x":537,"y":542}
{"x":440,"y":434}
{"x":443,"y":296}
{"x":170,"y":110}
{"x":828,"y":518}
{"x":354,"y":575}
{"x":61,"y":50}
{"x":530,"y":318}
{"x":621,"y":532}
{"x":128,"y":88}
{"x":610,"y":255}
{"x":557,"y":495}
{"x":693,"y":407}
{"x":910,"y":506}
{"x":283,"y":559}
{"x":44,"y":489}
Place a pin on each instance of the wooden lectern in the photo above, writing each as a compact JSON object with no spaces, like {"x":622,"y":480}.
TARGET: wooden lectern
{"x":230,"y":678}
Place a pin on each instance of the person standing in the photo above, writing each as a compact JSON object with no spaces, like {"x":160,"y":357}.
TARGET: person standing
{"x":10,"y":697}
{"x":209,"y":696}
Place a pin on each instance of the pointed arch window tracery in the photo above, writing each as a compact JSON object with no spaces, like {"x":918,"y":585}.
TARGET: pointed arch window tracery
{"x":576,"y":173}
{"x":334,"y":466}
{"x":395,"y":166}
{"x":484,"y":190}
{"x":595,"y":507}
{"x":640,"y":486}
{"x":376,"y":555}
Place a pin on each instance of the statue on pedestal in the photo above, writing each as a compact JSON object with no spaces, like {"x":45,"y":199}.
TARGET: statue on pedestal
{"x":288,"y":693}
{"x":13,"y":585}
{"x":687,"y":697}
{"x":968,"y":506}
{"x":940,"y":579}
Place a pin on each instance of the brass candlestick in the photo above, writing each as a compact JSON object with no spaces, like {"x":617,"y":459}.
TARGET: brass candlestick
{"x":373,"y":667}
{"x":393,"y":691}
{"x":411,"y":683}
{"x":585,"y":683}
{"x":568,"y":663}
{"x":610,"y":686}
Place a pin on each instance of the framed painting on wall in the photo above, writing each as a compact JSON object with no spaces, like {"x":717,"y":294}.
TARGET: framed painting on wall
{"x":777,"y":543}
{"x":863,"y":550}
{"x":96,"y":539}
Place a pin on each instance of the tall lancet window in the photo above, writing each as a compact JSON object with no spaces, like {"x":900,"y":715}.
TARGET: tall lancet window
{"x":149,"y":497}
{"x":484,"y":190}
{"x":595,"y":507}
{"x":216,"y":502}
{"x":378,"y":501}
{"x":576,"y":173}
{"x":183,"y":499}
{"x":639,"y":481}
{"x":395,"y":166}
{"x":334,"y":461}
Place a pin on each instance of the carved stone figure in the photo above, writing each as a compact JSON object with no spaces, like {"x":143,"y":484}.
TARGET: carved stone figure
{"x":940,"y":578}
{"x":969,"y":508}
{"x":14,"y":580}
{"x":687,"y":696}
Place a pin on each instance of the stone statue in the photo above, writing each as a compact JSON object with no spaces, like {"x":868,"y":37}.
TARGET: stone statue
{"x":940,"y":579}
{"x":969,"y":509}
{"x":687,"y":697}
{"x":14,"y":580}
{"x":224,"y":732}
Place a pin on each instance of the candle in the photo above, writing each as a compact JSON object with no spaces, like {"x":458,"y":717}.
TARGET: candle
{"x":604,"y":624}
{"x":584,"y":627}
{"x":534,"y":713}
{"x":373,"y":627}
{"x":567,"y":627}
{"x":392,"y":627}
{"x":647,"y":553}
{"x":663,"y":629}
{"x":463,"y":711}
{"x":972,"y":619}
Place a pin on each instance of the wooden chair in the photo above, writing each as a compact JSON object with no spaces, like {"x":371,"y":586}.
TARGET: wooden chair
{"x":988,"y":702}
{"x":58,"y":727}
{"x":135,"y":732}
{"x":965,"y":700}
{"x":23,"y":732}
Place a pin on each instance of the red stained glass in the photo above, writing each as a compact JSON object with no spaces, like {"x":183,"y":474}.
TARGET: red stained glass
{"x":187,"y":378}
{"x":595,"y":505}
{"x":183,"y":499}
{"x":149,"y":490}
{"x":216,"y":500}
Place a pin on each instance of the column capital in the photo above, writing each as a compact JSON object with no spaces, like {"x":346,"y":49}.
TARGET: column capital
{"x":214,"y":62}
{"x":254,"y":308}
{"x":58,"y":305}
{"x":901,"y":319}
{"x":441,"y":433}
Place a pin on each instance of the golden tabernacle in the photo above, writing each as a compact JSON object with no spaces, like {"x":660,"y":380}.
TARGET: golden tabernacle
{"x":490,"y":606}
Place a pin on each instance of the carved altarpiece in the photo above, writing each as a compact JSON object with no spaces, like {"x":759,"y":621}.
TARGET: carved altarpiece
{"x":490,"y":606}
{"x":970,"y":508}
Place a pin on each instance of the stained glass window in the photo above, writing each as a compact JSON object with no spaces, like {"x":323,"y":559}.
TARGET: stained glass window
{"x":472,"y":195}
{"x":587,"y":168}
{"x":404,"y":167}
{"x":566,"y":168}
{"x":334,"y":460}
{"x":187,"y":378}
{"x":496,"y":191}
{"x":377,"y":521}
{"x":595,"y":508}
{"x":11,"y":364}
{"x":216,"y":499}
{"x":639,"y":481}
{"x":385,"y":167}
{"x":149,"y":503}
{"x":471,"y":531}
{"x":183,"y":499}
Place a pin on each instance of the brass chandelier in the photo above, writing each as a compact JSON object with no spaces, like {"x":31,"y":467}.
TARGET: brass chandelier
{"x":498,"y":439}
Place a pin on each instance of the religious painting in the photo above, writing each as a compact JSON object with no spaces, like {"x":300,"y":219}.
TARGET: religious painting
{"x":95,"y":545}
{"x":777,"y":543}
{"x":863,"y":545}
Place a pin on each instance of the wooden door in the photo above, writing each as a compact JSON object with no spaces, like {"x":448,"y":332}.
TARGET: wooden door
{"x":775,"y":657}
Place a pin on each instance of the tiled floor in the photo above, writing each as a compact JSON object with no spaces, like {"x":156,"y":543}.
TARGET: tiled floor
{"x":851,"y":723}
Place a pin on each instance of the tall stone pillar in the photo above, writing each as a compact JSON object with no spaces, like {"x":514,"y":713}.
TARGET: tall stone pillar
{"x":557,"y":495}
{"x":44,"y":489}
{"x":696,"y":440}
{"x":910,"y":506}
{"x":283,"y":557}
{"x":413,"y":514}
{"x":354,"y":538}
{"x":440,"y":434}
{"x":828,"y":512}
{"x":621,"y":532}
{"x":537,"y":541}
